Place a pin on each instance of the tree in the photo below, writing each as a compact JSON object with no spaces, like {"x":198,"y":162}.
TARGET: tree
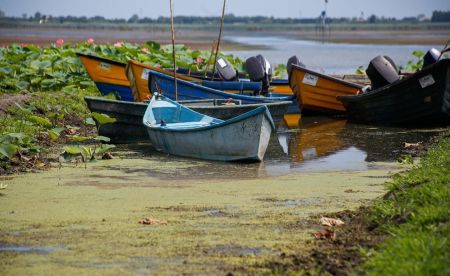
{"x":372,"y":19}
{"x":37,"y":15}
{"x":133,"y":19}
{"x":440,"y":16}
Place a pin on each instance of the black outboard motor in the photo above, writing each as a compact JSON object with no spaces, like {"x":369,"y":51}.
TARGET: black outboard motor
{"x":226,"y":70}
{"x":381,"y":72}
{"x":431,"y":57}
{"x":260,"y":69}
{"x":293,"y":60}
{"x":266,"y":65}
{"x":391,"y":61}
{"x":257,"y":72}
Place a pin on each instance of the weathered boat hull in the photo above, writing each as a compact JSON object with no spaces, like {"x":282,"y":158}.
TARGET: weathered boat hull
{"x":241,"y":138}
{"x":317,"y":92}
{"x":129,"y":128}
{"x":419,"y":99}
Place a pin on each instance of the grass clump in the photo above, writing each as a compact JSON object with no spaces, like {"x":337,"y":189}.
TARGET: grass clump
{"x":415,"y":214}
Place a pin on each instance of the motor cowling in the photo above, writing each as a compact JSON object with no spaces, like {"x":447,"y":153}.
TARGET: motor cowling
{"x":226,"y":70}
{"x":259,"y":69}
{"x":381,"y":72}
{"x":432,"y":56}
{"x":293,"y":60}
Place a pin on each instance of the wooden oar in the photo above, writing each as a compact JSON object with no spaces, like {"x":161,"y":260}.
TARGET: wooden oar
{"x":173,"y":52}
{"x":218,"y":41}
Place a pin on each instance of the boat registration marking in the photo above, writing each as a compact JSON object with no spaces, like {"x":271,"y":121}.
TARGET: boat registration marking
{"x":222,"y":63}
{"x":105,"y":66}
{"x":310,"y":79}
{"x":426,"y":81}
{"x":144,"y":75}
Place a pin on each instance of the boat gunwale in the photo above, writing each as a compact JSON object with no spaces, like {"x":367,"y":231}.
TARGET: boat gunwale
{"x":102,"y":59}
{"x":387,"y":89}
{"x":331,"y":78}
{"x":222,"y":93}
{"x":255,"y":112}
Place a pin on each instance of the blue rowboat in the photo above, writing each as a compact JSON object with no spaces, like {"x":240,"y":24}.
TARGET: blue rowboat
{"x":178,"y":130}
{"x":164,"y":84}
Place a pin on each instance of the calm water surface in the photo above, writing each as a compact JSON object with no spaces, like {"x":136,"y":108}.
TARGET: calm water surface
{"x":330,"y":58}
{"x":321,"y":144}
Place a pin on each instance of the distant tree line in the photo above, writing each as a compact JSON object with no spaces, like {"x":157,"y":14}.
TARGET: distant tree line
{"x":440,"y":16}
{"x":437,"y":16}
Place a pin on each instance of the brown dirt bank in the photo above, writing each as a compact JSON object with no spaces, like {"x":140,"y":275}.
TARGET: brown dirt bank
{"x":46,"y":36}
{"x":340,"y":255}
{"x":199,"y":39}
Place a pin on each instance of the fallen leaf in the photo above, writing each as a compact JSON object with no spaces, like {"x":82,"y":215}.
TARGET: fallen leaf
{"x":71,"y":131}
{"x":107,"y":155}
{"x":152,"y":221}
{"x":413,"y":145}
{"x":324,"y":234}
{"x":330,"y":221}
{"x":3,"y":186}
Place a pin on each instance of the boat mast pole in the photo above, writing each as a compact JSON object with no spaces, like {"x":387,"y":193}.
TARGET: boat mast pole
{"x":173,"y":52}
{"x":218,"y":41}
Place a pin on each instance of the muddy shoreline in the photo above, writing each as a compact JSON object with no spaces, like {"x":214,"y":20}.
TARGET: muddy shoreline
{"x":199,"y":39}
{"x":91,"y":217}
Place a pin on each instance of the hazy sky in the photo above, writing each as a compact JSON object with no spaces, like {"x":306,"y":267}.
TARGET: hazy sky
{"x":277,"y":8}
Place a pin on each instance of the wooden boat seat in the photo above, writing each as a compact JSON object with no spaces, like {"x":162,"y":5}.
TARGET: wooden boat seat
{"x":184,"y":125}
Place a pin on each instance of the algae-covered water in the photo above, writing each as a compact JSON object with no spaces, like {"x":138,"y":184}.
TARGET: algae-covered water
{"x":221,"y":217}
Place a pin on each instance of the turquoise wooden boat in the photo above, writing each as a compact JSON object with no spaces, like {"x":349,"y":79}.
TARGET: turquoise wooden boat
{"x":178,"y":130}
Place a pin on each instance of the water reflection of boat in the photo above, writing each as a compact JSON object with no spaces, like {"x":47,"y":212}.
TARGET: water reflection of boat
{"x":316,"y":137}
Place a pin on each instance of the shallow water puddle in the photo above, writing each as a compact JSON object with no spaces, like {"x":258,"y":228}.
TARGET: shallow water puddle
{"x":29,"y":249}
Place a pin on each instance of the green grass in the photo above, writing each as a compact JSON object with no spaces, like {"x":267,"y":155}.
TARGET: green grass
{"x":416,"y":217}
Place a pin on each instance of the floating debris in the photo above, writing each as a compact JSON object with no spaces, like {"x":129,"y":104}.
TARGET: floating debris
{"x":330,"y":222}
{"x":152,"y":221}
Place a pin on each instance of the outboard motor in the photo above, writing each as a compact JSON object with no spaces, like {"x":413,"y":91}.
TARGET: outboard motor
{"x":226,"y":70}
{"x":293,"y":60}
{"x":381,"y":72}
{"x":266,"y":65}
{"x":391,"y":61}
{"x":256,"y":72}
{"x":431,"y":57}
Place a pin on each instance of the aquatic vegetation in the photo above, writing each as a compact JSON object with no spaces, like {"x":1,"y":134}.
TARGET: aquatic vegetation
{"x":57,"y":68}
{"x":96,"y":146}
{"x":415,"y":65}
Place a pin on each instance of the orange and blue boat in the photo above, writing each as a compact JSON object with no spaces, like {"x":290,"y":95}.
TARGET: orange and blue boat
{"x":108,"y":75}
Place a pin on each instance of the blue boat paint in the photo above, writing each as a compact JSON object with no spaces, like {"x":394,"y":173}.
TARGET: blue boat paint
{"x":191,"y":91}
{"x":234,"y":85}
{"x":123,"y":92}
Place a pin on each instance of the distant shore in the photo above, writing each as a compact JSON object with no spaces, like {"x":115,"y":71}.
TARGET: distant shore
{"x":203,"y":39}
